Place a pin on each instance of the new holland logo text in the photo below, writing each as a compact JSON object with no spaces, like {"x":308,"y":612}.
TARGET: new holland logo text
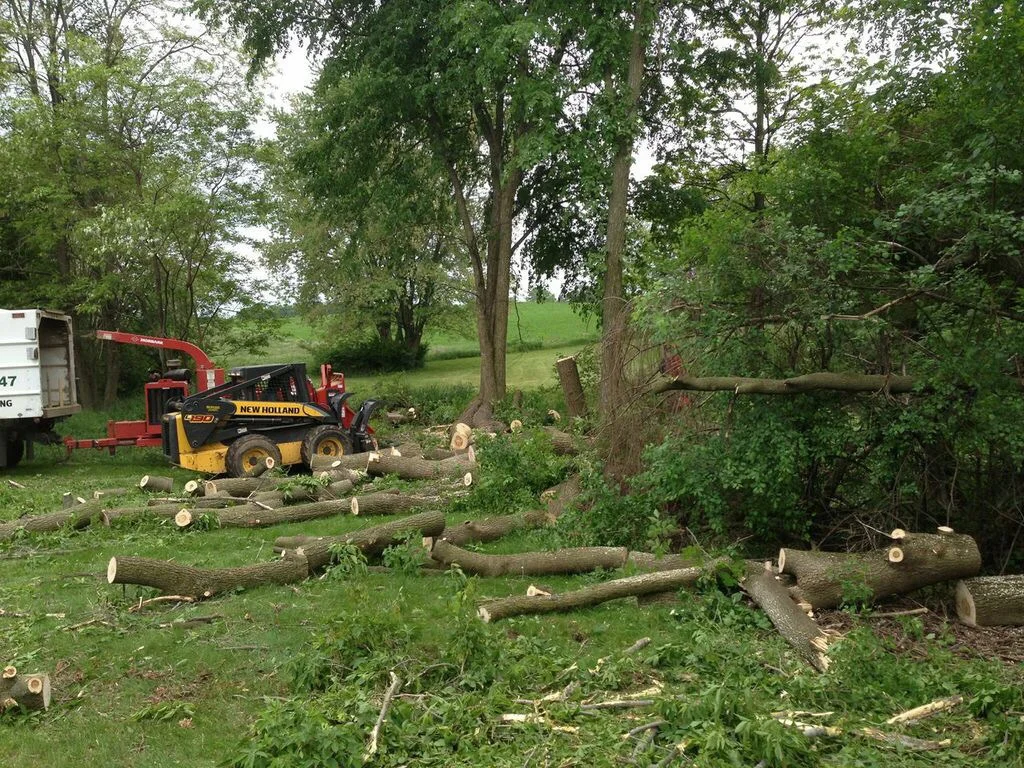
{"x":271,"y":410}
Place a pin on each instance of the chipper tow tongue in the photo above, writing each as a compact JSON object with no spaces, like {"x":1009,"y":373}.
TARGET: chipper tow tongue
{"x":264,"y":411}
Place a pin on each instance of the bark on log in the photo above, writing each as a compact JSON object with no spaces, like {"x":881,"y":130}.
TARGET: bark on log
{"x":160,"y":511}
{"x":436,"y":454}
{"x":74,"y":518}
{"x":795,"y":626}
{"x":392,"y":503}
{"x":562,"y":496}
{"x":492,"y":528}
{"x":175,"y":579}
{"x":924,"y":559}
{"x":410,"y":450}
{"x":561,"y":442}
{"x":419,"y":469}
{"x":195,"y":488}
{"x":397,"y":418}
{"x":257,"y":517}
{"x":240,"y":487}
{"x":578,"y":560}
{"x":262,"y":467}
{"x":991,"y":601}
{"x":348,"y":461}
{"x":30,"y":691}
{"x":811,"y":382}
{"x":374,"y":540}
{"x":341,"y":475}
{"x":156,"y":483}
{"x":197,"y":502}
{"x":644,"y":584}
{"x":648,"y":561}
{"x":569,"y":376}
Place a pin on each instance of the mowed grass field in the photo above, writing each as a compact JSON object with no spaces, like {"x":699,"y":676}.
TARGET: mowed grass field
{"x":453,"y":358}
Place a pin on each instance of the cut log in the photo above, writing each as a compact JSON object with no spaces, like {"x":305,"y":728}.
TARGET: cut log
{"x":795,"y":626}
{"x":991,"y":601}
{"x":251,"y":516}
{"x":419,"y":469}
{"x":409,"y":449}
{"x":73,"y":518}
{"x":562,"y":496}
{"x":397,"y":418}
{"x":198,"y":502}
{"x":462,"y":437}
{"x":374,"y":540}
{"x":516,"y":425}
{"x":811,"y":382}
{"x":156,"y":483}
{"x":175,"y":579}
{"x":923,"y":559}
{"x":27,"y":691}
{"x":267,"y":464}
{"x":341,"y":475}
{"x":561,"y":442}
{"x":392,"y":503}
{"x":348,"y":461}
{"x":645,"y":584}
{"x":492,"y":528}
{"x":578,"y":560}
{"x":240,"y":487}
{"x":161,"y":511}
{"x":569,"y":376}
{"x":648,"y":561}
{"x":194,"y":488}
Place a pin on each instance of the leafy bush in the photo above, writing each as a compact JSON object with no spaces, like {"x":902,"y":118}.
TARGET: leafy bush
{"x":434,"y":405}
{"x":370,"y":355}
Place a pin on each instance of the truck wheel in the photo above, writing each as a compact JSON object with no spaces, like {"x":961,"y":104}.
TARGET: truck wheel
{"x":15,"y":451}
{"x":325,"y":441}
{"x":246,"y":452}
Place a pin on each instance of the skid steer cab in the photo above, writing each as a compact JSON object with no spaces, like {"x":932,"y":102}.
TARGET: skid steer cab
{"x":266,"y":410}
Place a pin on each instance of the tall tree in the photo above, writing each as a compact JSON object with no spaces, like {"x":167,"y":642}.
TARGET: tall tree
{"x":478,"y":84}
{"x":126,"y":162}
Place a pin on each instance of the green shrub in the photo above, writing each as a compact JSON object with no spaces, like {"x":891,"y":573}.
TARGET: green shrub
{"x":370,"y":355}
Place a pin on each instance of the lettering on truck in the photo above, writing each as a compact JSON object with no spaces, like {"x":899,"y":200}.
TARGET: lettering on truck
{"x":6,"y":403}
{"x":7,"y":381}
{"x":271,"y":410}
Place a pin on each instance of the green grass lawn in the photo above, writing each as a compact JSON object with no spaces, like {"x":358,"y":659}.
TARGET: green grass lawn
{"x":146,"y":689}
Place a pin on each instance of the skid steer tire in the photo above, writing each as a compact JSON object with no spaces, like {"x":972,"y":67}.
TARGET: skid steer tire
{"x":325,"y":441}
{"x":247,"y":452}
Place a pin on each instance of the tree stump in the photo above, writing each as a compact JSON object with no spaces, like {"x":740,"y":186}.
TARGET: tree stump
{"x":569,"y":376}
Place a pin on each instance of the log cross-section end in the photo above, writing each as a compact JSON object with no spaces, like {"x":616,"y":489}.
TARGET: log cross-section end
{"x":484,"y":614}
{"x":10,"y":672}
{"x":966,"y":610}
{"x":111,"y":570}
{"x":354,"y":505}
{"x":183,"y":519}
{"x":895,"y":555}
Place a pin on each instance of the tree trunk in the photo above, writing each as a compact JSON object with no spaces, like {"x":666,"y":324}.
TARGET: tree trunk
{"x":991,"y":601}
{"x":579,"y":560}
{"x":562,"y":496}
{"x":372,"y":541}
{"x":75,"y":518}
{"x":809,"y":382}
{"x":614,"y":309}
{"x":915,"y":560}
{"x":561,"y":442}
{"x":437,"y":454}
{"x":569,"y":376}
{"x":644,"y":584}
{"x":418,"y":469}
{"x":257,"y":517}
{"x":156,"y":483}
{"x":648,"y":561}
{"x":796,"y":627}
{"x":27,"y":691}
{"x":392,"y":503}
{"x":492,"y":528}
{"x":199,"y":583}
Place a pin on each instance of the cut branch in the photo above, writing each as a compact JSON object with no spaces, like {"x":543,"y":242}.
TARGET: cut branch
{"x":795,"y":626}
{"x":810,"y":382}
{"x":176,"y":579}
{"x":579,"y":560}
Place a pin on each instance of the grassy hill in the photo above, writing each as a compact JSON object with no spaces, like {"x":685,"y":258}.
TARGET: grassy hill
{"x":546,"y":331}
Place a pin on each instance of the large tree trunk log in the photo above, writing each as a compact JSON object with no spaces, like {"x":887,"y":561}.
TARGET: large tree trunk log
{"x":409,"y":450}
{"x":579,"y":560}
{"x":569,"y":376}
{"x":197,"y":502}
{"x":348,"y":461}
{"x":27,"y":691}
{"x":418,"y":469}
{"x":991,"y":601}
{"x":436,"y":454}
{"x":176,"y":579}
{"x":811,"y":382}
{"x":160,"y":511}
{"x":644,"y":584}
{"x":492,"y":528}
{"x":561,"y":497}
{"x":374,"y":540}
{"x":392,"y":503}
{"x":257,"y":517}
{"x":341,"y":475}
{"x":75,"y":518}
{"x":156,"y":483}
{"x":240,"y":487}
{"x":914,"y":560}
{"x":561,"y":442}
{"x":109,"y":493}
{"x":648,"y":561}
{"x":796,"y":627}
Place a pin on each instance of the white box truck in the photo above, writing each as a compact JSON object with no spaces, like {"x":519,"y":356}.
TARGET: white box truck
{"x":37,"y":378}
